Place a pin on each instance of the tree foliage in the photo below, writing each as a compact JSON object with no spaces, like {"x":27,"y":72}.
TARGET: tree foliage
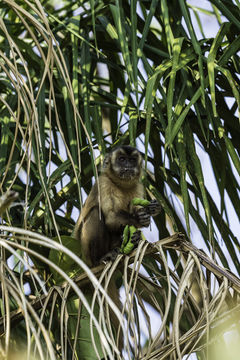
{"x":76,"y":79}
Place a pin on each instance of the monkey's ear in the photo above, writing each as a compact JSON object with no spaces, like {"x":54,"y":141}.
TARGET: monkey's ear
{"x":106,"y":161}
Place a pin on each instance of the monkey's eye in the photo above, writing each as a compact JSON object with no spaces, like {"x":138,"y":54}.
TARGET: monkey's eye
{"x":121,"y":158}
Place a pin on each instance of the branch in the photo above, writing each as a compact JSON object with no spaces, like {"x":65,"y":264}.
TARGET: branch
{"x":185,"y":246}
{"x":176,"y":242}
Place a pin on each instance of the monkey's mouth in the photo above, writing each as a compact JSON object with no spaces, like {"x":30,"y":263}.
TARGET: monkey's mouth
{"x":127,"y":174}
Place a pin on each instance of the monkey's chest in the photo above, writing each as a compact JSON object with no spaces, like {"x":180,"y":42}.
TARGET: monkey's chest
{"x":115,"y":198}
{"x":121,"y":200}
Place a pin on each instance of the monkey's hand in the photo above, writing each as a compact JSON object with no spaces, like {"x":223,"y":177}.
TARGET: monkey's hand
{"x":153,"y":208}
{"x":143,"y":217}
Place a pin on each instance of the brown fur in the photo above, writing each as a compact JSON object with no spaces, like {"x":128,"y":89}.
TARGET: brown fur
{"x":102,"y":231}
{"x":100,"y":228}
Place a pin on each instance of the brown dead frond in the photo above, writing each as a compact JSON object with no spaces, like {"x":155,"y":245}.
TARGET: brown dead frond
{"x":163,"y":315}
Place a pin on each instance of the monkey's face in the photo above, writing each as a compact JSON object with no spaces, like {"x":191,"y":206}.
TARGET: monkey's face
{"x":125,"y":163}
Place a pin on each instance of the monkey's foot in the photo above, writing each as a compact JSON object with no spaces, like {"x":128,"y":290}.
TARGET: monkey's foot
{"x":136,"y":237}
{"x":153,"y":208}
{"x":110,"y":256}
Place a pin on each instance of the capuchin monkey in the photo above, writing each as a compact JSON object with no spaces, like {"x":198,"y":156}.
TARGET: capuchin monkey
{"x":100,"y":228}
{"x":100,"y":225}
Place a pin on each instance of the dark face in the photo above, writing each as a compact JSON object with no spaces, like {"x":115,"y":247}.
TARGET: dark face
{"x":126,"y":163}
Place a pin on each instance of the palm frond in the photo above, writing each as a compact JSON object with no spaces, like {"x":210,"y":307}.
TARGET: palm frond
{"x":79,"y":78}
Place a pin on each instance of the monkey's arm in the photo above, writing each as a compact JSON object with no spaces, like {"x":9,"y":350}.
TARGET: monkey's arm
{"x":138,"y":218}
{"x":94,"y":237}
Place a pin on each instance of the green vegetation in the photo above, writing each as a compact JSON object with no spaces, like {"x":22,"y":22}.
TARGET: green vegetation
{"x":79,"y":77}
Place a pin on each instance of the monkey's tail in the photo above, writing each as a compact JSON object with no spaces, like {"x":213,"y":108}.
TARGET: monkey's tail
{"x":113,"y":292}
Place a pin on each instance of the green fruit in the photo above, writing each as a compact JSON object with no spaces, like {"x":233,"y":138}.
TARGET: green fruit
{"x":139,"y":201}
{"x":127,"y":246}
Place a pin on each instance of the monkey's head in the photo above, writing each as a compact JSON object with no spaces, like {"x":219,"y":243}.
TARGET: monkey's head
{"x":124,"y":164}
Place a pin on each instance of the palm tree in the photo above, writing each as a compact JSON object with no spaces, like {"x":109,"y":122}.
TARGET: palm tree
{"x":78,"y":78}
